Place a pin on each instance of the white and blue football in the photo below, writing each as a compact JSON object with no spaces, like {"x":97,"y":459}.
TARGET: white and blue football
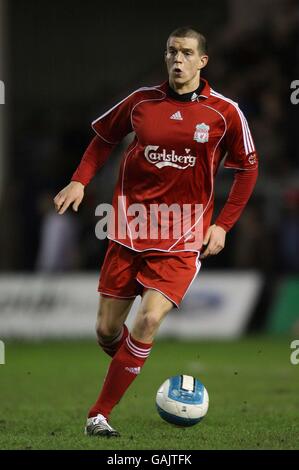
{"x":182,"y":400}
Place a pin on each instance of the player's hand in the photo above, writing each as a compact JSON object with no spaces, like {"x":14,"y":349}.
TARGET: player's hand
{"x":214,"y":241}
{"x":73,"y":193}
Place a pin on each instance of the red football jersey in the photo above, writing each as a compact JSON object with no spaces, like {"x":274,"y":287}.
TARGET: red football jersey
{"x":172,"y":160}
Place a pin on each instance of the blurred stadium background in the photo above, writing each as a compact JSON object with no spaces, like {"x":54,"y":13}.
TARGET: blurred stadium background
{"x":63,"y":64}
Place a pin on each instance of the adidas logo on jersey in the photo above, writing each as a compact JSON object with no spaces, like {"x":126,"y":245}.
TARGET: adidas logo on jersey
{"x":177,"y":116}
{"x":133,"y":370}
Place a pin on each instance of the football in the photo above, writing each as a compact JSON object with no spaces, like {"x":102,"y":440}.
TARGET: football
{"x":182,"y":400}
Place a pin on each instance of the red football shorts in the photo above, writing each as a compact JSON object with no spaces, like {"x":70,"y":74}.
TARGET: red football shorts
{"x":126,"y":273}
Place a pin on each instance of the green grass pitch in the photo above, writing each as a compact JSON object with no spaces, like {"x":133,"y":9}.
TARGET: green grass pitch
{"x":47,"y":388}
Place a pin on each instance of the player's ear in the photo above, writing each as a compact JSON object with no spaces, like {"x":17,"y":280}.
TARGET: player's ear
{"x":203,"y":60}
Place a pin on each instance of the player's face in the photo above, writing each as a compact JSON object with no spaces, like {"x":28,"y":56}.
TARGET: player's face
{"x":184,"y":62}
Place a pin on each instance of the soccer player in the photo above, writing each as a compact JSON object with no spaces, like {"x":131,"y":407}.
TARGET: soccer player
{"x":182,"y":130}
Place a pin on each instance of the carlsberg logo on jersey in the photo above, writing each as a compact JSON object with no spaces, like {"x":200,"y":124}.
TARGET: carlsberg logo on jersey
{"x":162,"y":158}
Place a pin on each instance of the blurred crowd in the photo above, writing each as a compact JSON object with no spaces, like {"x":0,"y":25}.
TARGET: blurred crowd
{"x":255,"y":68}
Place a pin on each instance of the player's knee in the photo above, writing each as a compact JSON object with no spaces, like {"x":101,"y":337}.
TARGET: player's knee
{"x":107,"y":325}
{"x":149,"y":322}
{"x":105,"y":332}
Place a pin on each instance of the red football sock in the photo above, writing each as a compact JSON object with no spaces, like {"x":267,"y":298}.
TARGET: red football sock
{"x":124,"y":368}
{"x":111,"y":347}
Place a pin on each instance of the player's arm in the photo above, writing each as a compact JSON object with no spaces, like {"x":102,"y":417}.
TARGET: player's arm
{"x":110,"y":129}
{"x":93,"y":159}
{"x":242,"y":158}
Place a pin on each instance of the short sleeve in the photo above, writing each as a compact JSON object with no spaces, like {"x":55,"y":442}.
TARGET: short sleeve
{"x":115,"y":124}
{"x":240,"y":148}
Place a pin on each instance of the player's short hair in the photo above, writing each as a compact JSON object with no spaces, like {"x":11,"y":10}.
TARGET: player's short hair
{"x":190,"y":32}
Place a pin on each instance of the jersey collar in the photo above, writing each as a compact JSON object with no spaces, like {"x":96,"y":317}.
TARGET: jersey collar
{"x":205,"y":90}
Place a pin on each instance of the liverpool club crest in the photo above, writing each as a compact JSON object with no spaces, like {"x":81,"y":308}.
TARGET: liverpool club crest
{"x":201,"y":133}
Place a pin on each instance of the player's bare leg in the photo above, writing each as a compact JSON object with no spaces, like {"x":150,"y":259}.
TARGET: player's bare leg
{"x":110,"y":328}
{"x":153,"y":309}
{"x":128,"y":360}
